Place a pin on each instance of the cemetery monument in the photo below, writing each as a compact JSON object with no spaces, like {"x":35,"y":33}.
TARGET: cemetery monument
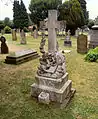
{"x":93,"y":37}
{"x":4,"y":47}
{"x":67,"y":41}
{"x":52,"y":82}
{"x":14,"y":37}
{"x":82,"y":44}
{"x":23,"y":37}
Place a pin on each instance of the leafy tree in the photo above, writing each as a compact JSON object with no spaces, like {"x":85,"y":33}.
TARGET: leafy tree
{"x":20,"y":16}
{"x":72,"y":13}
{"x":1,"y":25}
{"x":23,"y":16}
{"x":16,"y":14}
{"x":85,"y":12}
{"x":7,"y":21}
{"x":39,"y":8}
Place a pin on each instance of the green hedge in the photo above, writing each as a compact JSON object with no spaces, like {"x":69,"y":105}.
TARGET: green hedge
{"x":7,"y":29}
{"x":92,"y":55}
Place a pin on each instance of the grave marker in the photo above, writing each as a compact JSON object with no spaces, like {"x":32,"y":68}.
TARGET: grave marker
{"x":52,"y":82}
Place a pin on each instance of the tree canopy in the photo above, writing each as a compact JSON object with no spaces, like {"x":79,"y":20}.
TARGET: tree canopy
{"x":39,"y":8}
{"x":20,"y":15}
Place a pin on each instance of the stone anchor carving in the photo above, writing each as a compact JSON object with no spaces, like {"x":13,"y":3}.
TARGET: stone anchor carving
{"x":52,"y":82}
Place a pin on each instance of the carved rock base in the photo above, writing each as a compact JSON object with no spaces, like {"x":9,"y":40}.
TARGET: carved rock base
{"x":59,"y":90}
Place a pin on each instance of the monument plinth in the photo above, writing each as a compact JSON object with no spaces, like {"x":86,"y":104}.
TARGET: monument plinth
{"x":93,"y":37}
{"x":52,"y":84}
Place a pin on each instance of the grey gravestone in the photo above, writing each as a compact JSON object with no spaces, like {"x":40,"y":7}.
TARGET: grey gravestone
{"x":23,"y":37}
{"x":93,"y":37}
{"x":2,"y":32}
{"x":4,"y":47}
{"x":21,"y":56}
{"x":35,"y":34}
{"x":14,"y":37}
{"x":67,"y":41}
{"x":52,"y":82}
{"x":77,"y":32}
{"x":82,"y":44}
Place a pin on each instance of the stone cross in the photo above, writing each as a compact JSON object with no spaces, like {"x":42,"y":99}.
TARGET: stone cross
{"x":52,"y":24}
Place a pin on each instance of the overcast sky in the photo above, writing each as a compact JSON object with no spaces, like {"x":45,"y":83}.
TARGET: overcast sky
{"x":6,"y":10}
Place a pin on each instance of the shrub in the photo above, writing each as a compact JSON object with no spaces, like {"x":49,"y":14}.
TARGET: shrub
{"x":92,"y":55}
{"x":7,"y":29}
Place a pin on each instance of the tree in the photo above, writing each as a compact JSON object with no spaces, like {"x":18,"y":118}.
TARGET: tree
{"x":1,"y":25}
{"x":39,"y":9}
{"x":20,"y":18}
{"x":7,"y":21}
{"x":72,"y":13}
{"x":16,"y":14}
{"x":20,"y":15}
{"x":85,"y":12}
{"x":23,"y":16}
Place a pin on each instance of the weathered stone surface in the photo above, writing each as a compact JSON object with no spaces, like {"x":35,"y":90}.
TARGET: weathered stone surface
{"x":23,"y":37}
{"x":44,"y":98}
{"x":14,"y":37}
{"x":35,"y":34}
{"x":57,"y":95}
{"x":51,"y":82}
{"x":4,"y":47}
{"x":93,"y":37}
{"x":67,"y":41}
{"x":51,"y":77}
{"x":21,"y":56}
{"x":82,"y":44}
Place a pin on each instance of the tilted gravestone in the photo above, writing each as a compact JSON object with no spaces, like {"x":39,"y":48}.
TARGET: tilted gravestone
{"x":67,"y":41}
{"x":21,"y":56}
{"x":35,"y":34}
{"x":4,"y":47}
{"x":52,"y":82}
{"x":14,"y":37}
{"x":93,"y":37}
{"x":23,"y":37}
{"x":82,"y":44}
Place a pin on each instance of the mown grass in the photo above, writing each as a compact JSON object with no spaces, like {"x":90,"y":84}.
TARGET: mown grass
{"x":15,"y":81}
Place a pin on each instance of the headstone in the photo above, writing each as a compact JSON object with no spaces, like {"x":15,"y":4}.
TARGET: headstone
{"x":52,"y":82}
{"x":4,"y":47}
{"x":14,"y":37}
{"x":35,"y":34}
{"x":23,"y":37}
{"x":67,"y":41}
{"x":93,"y":37}
{"x":77,"y":33}
{"x":2,"y":32}
{"x":82,"y":44}
{"x":21,"y":56}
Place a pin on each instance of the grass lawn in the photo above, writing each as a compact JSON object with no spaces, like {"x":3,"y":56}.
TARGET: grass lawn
{"x":15,"y":81}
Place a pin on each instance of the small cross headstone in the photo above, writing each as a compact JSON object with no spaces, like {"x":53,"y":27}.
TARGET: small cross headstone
{"x":4,"y":47}
{"x":67,"y":41}
{"x":77,"y":33}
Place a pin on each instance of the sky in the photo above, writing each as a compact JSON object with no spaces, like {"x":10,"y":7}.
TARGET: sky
{"x":6,"y":10}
